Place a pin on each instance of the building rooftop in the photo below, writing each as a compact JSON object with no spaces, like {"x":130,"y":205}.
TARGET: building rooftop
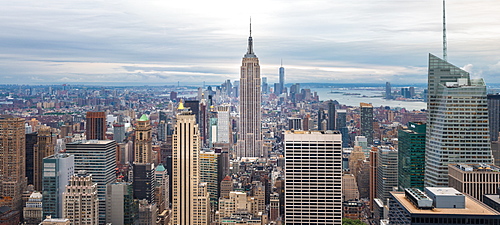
{"x":88,"y":142}
{"x":477,"y":167}
{"x":472,"y":207}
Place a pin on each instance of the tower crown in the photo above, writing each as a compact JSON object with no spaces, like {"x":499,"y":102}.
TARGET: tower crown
{"x":250,"y":53}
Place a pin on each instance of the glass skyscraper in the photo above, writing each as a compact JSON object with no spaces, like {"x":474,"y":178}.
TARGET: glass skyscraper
{"x":457,"y":123}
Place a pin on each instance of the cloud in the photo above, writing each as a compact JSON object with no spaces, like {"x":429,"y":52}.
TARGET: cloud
{"x":320,"y":41}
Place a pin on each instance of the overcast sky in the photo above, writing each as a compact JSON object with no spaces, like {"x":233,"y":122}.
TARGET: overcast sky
{"x":161,"y":42}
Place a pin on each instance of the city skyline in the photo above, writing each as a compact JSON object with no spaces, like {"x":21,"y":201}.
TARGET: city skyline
{"x":153,"y":42}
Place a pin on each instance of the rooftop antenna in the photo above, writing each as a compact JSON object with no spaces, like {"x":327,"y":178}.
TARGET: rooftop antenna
{"x":251,"y":26}
{"x":445,"y":47}
{"x":281,"y":62}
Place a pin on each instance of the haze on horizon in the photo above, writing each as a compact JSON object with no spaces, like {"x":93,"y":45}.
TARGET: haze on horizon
{"x":194,"y":41}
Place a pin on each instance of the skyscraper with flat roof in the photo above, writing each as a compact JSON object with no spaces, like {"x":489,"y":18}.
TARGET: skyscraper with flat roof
{"x":96,"y":157}
{"x":313,"y":177}
{"x":57,"y":170}
{"x":367,"y":121}
{"x":411,"y":156}
{"x":250,"y":131}
{"x":12,"y":161}
{"x":96,"y":126}
{"x":457,"y":122}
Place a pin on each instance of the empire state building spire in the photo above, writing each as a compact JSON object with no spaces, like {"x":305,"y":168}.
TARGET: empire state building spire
{"x":250,"y":53}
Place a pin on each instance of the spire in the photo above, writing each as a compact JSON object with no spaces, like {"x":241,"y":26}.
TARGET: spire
{"x":281,"y":63}
{"x":250,"y":53}
{"x":445,"y":47}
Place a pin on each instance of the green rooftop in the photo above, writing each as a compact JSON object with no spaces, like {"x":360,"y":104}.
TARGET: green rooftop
{"x":144,"y":117}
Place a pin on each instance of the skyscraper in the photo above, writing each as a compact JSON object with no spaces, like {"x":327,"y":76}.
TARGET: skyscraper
{"x":250,"y":132}
{"x":331,"y":115}
{"x":80,"y":200}
{"x":57,"y":170}
{"x":411,"y":156}
{"x":388,"y":91}
{"x":367,"y":121}
{"x":143,"y":141}
{"x":494,"y":115}
{"x":457,"y":122}
{"x":313,"y":177}
{"x":121,"y":209}
{"x":96,"y":157}
{"x":12,"y":161}
{"x":185,"y":182}
{"x":282,"y":79}
{"x":96,"y":126}
{"x":43,"y":148}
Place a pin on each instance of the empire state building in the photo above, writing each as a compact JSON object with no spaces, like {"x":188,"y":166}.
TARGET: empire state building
{"x":250,"y":133}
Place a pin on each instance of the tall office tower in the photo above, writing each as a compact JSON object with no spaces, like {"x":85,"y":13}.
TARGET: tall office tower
{"x":388,"y":90}
{"x":144,"y":181}
{"x":313,"y":177}
{"x":223,"y":124}
{"x":143,"y":141}
{"x":341,"y":125}
{"x":31,"y":139}
{"x":208,"y":174}
{"x":373,"y":177}
{"x":32,"y":212}
{"x":119,"y":132}
{"x":43,"y":148}
{"x":294,"y":123}
{"x":387,"y":171}
{"x":367,"y":121}
{"x":12,"y":161}
{"x":81,"y":205}
{"x":185,"y":168}
{"x":162,"y":185}
{"x":411,"y":156}
{"x":331,"y":115}
{"x":282,"y":80}
{"x":96,"y":126}
{"x":57,"y":170}
{"x":97,"y":157}
{"x":120,"y":208}
{"x":457,"y":121}
{"x":494,"y":115}
{"x":264,"y":85}
{"x":321,"y":117}
{"x":250,"y":132}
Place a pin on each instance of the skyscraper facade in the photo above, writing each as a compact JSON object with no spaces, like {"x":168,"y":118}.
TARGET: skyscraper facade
{"x":43,"y":148}
{"x":12,"y":161}
{"x":494,"y":115}
{"x":411,"y":156}
{"x":80,"y":200}
{"x":457,"y":122}
{"x":367,"y":121}
{"x":96,"y":157}
{"x":185,"y":181}
{"x":331,"y":115}
{"x":282,"y":80}
{"x":57,"y":170}
{"x":143,"y":141}
{"x":388,"y":91}
{"x":250,"y":132}
{"x":313,"y":177}
{"x":96,"y":126}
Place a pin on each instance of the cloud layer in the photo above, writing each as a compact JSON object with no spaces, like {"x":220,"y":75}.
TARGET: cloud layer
{"x":161,"y":42}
